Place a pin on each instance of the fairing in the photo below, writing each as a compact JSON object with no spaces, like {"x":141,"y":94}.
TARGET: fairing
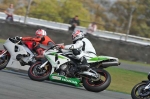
{"x":101,"y":58}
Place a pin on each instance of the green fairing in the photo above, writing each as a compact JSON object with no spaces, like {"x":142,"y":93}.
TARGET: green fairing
{"x":53,"y":53}
{"x":61,"y":57}
{"x":99,"y":58}
{"x":66,"y":80}
{"x":58,"y":55}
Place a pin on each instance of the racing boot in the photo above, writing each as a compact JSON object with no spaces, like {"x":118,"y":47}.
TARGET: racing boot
{"x":83,"y":64}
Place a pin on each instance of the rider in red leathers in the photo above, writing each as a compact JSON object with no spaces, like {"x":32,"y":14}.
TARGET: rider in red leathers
{"x":40,"y":38}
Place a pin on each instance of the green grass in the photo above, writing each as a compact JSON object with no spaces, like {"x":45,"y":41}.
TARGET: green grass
{"x":124,"y":80}
{"x":133,"y":62}
{"x":2,"y":40}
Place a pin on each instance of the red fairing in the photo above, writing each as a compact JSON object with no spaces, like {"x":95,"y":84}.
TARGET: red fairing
{"x":29,"y":44}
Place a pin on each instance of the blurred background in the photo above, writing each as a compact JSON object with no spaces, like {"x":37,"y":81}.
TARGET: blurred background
{"x":122,"y":16}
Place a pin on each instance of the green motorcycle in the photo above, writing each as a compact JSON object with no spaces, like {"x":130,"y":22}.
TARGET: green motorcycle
{"x":60,"y":67}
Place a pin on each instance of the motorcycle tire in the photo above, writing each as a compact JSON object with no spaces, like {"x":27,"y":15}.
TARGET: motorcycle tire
{"x":4,"y":61}
{"x":34,"y":72}
{"x":135,"y":90}
{"x":100,"y":85}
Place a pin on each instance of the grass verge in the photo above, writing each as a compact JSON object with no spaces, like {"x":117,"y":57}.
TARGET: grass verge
{"x":133,"y":62}
{"x":2,"y":40}
{"x":124,"y":80}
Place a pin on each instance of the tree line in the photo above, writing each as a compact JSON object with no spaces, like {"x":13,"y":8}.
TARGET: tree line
{"x":108,"y":14}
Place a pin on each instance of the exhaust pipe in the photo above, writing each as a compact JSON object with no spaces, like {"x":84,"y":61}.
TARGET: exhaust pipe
{"x":107,"y":64}
{"x":90,"y":73}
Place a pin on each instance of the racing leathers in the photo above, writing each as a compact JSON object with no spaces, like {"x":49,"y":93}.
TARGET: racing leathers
{"x":82,"y":48}
{"x":45,"y":40}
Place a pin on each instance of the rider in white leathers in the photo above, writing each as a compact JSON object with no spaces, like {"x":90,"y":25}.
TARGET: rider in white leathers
{"x":81,"y":48}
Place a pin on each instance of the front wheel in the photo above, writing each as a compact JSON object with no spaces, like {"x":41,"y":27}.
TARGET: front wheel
{"x":4,"y":59}
{"x":99,"y":85}
{"x":39,"y":74}
{"x":138,"y":91}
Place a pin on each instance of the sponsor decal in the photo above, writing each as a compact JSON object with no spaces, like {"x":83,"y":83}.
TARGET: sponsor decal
{"x":70,"y":81}
{"x":64,"y":79}
{"x":56,"y":77}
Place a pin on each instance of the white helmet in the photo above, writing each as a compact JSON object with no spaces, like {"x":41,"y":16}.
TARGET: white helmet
{"x":76,"y":35}
{"x":40,"y":32}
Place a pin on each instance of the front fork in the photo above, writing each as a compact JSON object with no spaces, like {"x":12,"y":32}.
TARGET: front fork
{"x":3,"y":52}
{"x":52,"y":69}
{"x":2,"y":55}
{"x":148,"y":86}
{"x":144,"y":92}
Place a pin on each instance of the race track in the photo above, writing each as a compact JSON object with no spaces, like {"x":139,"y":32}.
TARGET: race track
{"x":14,"y":85}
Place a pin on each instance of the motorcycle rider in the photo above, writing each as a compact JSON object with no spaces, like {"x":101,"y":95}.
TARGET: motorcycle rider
{"x":81,"y":47}
{"x":40,"y":38}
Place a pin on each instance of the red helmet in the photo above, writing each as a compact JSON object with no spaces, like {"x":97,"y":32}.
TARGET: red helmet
{"x":40,"y":32}
{"x":76,"y":35}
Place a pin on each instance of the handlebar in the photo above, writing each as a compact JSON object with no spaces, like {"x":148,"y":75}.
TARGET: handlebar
{"x":14,"y":40}
{"x":54,"y":47}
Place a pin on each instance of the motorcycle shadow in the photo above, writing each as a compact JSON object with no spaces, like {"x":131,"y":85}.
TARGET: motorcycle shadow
{"x":65,"y":85}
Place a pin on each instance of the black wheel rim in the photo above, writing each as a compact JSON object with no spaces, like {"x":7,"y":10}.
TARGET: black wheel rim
{"x":38,"y":73}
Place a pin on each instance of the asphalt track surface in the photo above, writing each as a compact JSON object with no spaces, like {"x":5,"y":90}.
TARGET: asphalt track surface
{"x":14,"y":85}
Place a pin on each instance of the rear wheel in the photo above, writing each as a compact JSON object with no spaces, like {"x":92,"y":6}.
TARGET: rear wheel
{"x":4,"y":60}
{"x":39,"y":74}
{"x":97,"y":85}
